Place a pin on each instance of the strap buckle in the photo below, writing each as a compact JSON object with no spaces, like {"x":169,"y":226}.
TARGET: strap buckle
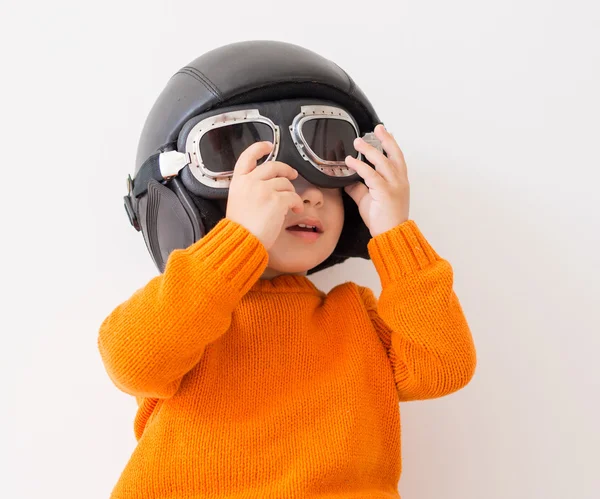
{"x":371,"y":138}
{"x":133,"y":220}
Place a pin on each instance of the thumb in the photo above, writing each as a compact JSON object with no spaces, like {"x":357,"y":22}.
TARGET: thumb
{"x":250,"y":156}
{"x":356,"y":191}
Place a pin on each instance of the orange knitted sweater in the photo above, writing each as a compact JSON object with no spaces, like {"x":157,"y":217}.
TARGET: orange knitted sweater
{"x":252,"y":388}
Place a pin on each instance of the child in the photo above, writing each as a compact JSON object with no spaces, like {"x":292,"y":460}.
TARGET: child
{"x":251,"y":382}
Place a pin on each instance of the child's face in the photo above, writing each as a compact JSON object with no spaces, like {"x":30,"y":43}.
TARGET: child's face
{"x":292,"y":254}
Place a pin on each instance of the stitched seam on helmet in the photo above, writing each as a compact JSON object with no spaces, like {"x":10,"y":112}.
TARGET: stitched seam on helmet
{"x":206,"y":80}
{"x":350,"y":80}
{"x":194,"y":73}
{"x":196,"y":77}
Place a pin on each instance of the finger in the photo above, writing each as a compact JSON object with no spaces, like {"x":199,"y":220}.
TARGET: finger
{"x":249,"y":158}
{"x":272,"y":169}
{"x":357,"y":191}
{"x":292,"y":201}
{"x":391,"y":147}
{"x":371,"y":177}
{"x":382,"y":164}
{"x":280,"y":184}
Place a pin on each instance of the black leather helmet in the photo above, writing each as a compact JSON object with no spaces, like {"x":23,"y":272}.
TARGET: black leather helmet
{"x":168,"y":213}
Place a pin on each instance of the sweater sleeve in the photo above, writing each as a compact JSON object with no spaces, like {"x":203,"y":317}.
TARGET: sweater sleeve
{"x":150,"y":341}
{"x":418,"y":317}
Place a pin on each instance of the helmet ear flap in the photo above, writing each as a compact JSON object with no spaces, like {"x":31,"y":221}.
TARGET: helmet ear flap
{"x":169,"y":220}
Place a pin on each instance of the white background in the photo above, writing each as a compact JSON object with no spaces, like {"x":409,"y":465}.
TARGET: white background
{"x":496,"y":107}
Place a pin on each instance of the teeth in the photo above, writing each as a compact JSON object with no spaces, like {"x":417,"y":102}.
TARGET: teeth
{"x":307,"y":226}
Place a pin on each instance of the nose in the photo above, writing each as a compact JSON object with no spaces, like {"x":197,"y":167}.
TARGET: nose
{"x":309,"y":192}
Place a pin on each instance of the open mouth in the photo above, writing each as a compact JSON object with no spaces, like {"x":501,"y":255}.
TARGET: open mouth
{"x":304,"y":228}
{"x":307,"y":233}
{"x":308,"y":229}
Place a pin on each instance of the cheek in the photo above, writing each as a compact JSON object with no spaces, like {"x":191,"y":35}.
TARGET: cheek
{"x":336,"y":209}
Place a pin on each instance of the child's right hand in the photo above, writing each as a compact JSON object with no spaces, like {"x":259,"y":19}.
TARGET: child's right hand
{"x":260,"y":196}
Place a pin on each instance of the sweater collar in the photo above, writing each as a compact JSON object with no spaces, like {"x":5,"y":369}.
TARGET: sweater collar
{"x":287,"y":283}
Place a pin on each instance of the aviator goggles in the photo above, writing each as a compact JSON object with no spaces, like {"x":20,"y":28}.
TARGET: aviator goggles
{"x":313,"y":136}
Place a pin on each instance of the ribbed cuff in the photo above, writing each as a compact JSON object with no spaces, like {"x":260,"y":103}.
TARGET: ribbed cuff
{"x":400,"y":251}
{"x":234,"y":253}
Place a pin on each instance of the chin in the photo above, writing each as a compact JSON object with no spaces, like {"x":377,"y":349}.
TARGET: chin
{"x":295,"y":260}
{"x":293,"y":266}
{"x":290,"y":256}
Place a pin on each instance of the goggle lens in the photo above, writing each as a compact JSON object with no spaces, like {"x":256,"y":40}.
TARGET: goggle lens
{"x":330,"y":139}
{"x":221,"y":147}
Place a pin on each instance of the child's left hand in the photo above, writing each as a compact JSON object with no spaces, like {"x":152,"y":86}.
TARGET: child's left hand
{"x":383,"y":203}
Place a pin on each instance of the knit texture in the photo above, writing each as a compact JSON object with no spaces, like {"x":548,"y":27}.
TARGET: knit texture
{"x":252,"y":388}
